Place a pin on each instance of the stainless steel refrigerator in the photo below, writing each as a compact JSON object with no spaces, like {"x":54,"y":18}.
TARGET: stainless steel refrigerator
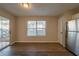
{"x":73,"y":36}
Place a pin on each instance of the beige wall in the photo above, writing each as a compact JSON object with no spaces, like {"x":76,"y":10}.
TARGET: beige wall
{"x":51,"y":29}
{"x":12,"y":24}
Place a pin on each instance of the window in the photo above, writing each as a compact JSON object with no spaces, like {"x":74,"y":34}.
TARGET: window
{"x":36,"y":28}
{"x":4,"y":27}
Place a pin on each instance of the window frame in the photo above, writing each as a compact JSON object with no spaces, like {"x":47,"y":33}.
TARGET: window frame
{"x":37,"y":28}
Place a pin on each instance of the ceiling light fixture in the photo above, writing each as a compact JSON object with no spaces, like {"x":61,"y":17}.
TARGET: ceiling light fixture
{"x":25,"y":5}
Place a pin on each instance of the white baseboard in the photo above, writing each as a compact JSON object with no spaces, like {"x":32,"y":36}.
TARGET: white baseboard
{"x":37,"y":41}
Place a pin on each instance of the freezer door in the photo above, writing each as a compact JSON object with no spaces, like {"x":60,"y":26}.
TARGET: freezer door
{"x":77,"y":39}
{"x":71,"y":41}
{"x":72,"y":25}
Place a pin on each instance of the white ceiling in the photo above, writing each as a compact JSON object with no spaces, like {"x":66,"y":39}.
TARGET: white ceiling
{"x":39,"y":9}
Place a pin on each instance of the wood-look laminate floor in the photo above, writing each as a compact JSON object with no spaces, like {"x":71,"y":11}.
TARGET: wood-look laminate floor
{"x":35,"y":49}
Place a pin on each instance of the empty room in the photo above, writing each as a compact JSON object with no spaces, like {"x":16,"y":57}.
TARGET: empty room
{"x":39,"y":29}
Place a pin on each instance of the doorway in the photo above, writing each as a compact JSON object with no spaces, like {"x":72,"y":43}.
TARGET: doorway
{"x":4,"y":32}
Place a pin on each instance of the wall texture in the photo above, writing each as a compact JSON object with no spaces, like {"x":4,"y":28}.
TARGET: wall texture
{"x":4,"y":13}
{"x":51,"y":29}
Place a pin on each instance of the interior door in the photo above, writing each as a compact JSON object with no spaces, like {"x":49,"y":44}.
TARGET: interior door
{"x":4,"y":32}
{"x":60,"y":31}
